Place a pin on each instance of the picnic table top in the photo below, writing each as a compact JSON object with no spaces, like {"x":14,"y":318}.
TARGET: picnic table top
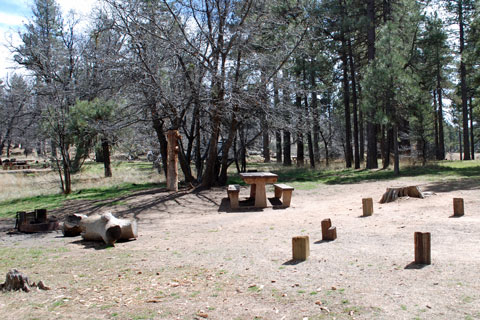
{"x":257,"y":175}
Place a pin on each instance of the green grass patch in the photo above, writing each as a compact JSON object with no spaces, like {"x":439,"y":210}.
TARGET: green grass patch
{"x":10,"y":207}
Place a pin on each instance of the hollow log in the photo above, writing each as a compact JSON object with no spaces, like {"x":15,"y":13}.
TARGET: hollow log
{"x":394,"y":193}
{"x":71,"y":227}
{"x":108,"y":228}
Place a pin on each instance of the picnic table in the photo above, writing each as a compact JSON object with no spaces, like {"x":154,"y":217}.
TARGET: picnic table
{"x":257,"y":182}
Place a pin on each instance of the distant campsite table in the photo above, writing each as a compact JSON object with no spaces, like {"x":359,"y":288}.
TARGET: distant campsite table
{"x":258,"y":180}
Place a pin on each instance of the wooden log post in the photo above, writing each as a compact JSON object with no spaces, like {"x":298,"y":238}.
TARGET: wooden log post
{"x":300,"y":248}
{"x":172,"y":160}
{"x":458,"y":208}
{"x":329,"y":233}
{"x":422,"y":247}
{"x":367,"y":204}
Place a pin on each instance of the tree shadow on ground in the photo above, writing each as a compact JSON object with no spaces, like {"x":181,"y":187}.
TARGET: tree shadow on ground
{"x":454,"y":185}
{"x":349,"y":176}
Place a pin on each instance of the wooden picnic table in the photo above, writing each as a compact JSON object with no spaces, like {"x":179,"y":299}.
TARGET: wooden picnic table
{"x":257,"y":182}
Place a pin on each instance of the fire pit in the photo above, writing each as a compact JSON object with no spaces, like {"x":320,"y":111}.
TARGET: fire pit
{"x":36,"y":221}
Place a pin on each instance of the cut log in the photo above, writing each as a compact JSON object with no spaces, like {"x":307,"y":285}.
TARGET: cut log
{"x":300,"y":248}
{"x":393,"y":194}
{"x":367,"y":204}
{"x":329,"y":233}
{"x":458,"y":208}
{"x":108,"y":228}
{"x":422,"y":247}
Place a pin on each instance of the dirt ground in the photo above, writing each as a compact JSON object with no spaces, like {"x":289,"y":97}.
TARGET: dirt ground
{"x":196,"y":259}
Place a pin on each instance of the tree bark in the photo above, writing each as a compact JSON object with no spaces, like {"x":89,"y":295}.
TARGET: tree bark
{"x":472,"y":136}
{"x":355,"y":107}
{"x":463,"y":83}
{"x":300,"y":146}
{"x":106,"y":158}
{"x":371,"y":127}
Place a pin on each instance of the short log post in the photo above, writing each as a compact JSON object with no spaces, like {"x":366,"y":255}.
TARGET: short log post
{"x":329,"y":233}
{"x":367,"y":204}
{"x":300,"y":248}
{"x":458,"y":208}
{"x":172,"y":160}
{"x":422,"y":247}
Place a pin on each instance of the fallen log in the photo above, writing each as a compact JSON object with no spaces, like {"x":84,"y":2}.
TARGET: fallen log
{"x":71,"y":226}
{"x":394,"y":193}
{"x":108,"y":228}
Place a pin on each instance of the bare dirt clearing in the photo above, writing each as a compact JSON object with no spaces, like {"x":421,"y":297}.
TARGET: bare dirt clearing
{"x":194,"y":258}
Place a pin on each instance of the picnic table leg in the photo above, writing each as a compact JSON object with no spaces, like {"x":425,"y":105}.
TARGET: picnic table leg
{"x":252,"y":191}
{"x":260,"y":196}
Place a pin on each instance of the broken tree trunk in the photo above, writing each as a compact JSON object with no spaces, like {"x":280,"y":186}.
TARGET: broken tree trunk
{"x":16,"y":280}
{"x":393,"y":194}
{"x":108,"y":228}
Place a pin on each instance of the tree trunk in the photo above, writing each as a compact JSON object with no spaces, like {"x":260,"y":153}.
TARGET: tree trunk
{"x":435,"y":126}
{"x":355,"y":107}
{"x":300,"y":147}
{"x":162,"y":140}
{"x":441,"y":137}
{"x":287,"y":158}
{"x":278,"y":133}
{"x":264,"y":121}
{"x":106,"y":158}
{"x":371,"y":127}
{"x":472,"y":137}
{"x":315,"y":119}
{"x":463,"y":85}
{"x":346,"y":103}
{"x":396,"y":164}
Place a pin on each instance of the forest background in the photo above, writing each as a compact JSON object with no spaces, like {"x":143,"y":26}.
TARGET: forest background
{"x":368,"y":82}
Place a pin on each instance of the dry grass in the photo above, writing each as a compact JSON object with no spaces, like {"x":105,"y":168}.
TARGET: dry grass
{"x":20,"y":185}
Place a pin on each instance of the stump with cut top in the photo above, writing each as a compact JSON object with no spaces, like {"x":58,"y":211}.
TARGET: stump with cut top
{"x":394,"y":193}
{"x":300,"y":248}
{"x":367,"y":204}
{"x":329,"y":233}
{"x":458,"y":207}
{"x":422,"y":247}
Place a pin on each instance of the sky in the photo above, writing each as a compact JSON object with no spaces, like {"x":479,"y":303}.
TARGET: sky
{"x":15,"y":13}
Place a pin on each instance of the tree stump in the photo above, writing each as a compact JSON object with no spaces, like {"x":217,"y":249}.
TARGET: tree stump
{"x":367,"y":204}
{"x":394,"y":193}
{"x":422,"y":247}
{"x":300,"y":248}
{"x":329,"y":233}
{"x":15,"y":281}
{"x":458,"y":208}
